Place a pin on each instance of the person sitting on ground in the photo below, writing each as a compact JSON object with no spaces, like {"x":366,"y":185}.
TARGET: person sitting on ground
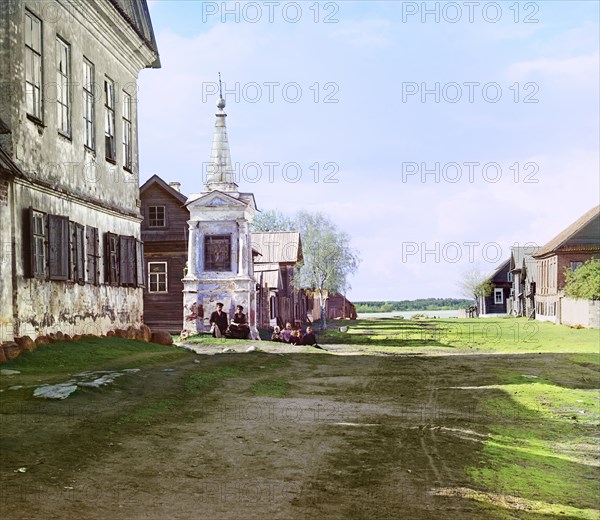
{"x":276,"y":336}
{"x":310,"y":339}
{"x":295,"y":338}
{"x":218,"y":321}
{"x":286,"y":333}
{"x":238,"y":328}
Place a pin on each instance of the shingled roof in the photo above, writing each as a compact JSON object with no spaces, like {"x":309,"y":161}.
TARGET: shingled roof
{"x":278,"y":247}
{"x":581,"y":235}
{"x":156,"y":180}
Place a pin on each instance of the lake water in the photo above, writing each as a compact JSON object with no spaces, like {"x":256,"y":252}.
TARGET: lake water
{"x":408,"y":314}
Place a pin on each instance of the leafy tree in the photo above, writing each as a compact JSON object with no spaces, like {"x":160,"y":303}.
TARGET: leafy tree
{"x":328,"y":258}
{"x":584,"y":282}
{"x":474,"y":284}
{"x":273,"y":220}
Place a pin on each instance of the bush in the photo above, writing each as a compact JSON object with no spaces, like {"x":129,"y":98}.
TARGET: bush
{"x":584,"y":282}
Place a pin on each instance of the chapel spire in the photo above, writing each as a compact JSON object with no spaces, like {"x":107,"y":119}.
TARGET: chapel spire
{"x":220,"y":170}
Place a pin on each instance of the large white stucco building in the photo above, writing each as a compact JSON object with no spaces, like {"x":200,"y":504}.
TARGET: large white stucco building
{"x":72,"y":260}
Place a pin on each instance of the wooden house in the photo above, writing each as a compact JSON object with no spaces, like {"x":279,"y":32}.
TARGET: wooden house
{"x":569,"y":249}
{"x":165,"y":237}
{"x":276,"y":256}
{"x":337,"y":307}
{"x":495,"y":303}
{"x":69,"y":211}
{"x":524,"y":275}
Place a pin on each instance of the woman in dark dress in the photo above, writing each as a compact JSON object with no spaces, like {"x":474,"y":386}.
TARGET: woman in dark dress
{"x":238,"y":328}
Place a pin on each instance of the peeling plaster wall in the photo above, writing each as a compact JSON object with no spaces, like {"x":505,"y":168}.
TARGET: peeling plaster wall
{"x":51,"y":306}
{"x":6,"y":260}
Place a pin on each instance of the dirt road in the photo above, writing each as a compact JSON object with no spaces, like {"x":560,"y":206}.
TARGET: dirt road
{"x":255,"y":436}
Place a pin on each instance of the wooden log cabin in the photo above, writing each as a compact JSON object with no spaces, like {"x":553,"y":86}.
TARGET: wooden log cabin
{"x":277,"y":254}
{"x":165,"y":236}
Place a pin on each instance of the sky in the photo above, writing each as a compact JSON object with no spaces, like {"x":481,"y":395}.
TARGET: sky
{"x":436,"y":134}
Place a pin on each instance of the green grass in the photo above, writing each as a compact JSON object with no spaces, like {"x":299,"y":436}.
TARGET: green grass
{"x":542,"y":420}
{"x":67,"y":357}
{"x":485,"y":335}
{"x":206,"y":381}
{"x":541,"y":443}
{"x":273,"y":387}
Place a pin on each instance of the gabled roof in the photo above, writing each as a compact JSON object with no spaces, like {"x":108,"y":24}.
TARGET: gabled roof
{"x":518,"y":255}
{"x":496,"y":272}
{"x":137,"y":15}
{"x":223,"y":197}
{"x":582,"y":234}
{"x":156,"y":180}
{"x":278,"y":247}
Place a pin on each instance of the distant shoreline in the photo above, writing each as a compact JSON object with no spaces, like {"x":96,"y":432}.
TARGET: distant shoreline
{"x":409,"y":314}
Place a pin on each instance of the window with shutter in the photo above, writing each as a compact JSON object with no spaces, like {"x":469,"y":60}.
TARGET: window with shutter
{"x":37,"y":244}
{"x":111,"y":258}
{"x":58,"y":247}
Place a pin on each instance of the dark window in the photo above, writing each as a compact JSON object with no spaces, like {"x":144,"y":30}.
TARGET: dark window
{"x":110,"y":150}
{"x":63,"y":80}
{"x":37,"y":242}
{"x":111,"y":258}
{"x":156,"y":216}
{"x":217,"y":253}
{"x":33,"y":65}
{"x":58,"y":247}
{"x":127,"y":133}
{"x":89,"y":114}
{"x":93,"y":255}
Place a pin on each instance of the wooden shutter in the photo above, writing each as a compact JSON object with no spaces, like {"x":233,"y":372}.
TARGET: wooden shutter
{"x":79,"y":254}
{"x":131,"y":261}
{"x":127,"y":260}
{"x":140,"y":272}
{"x":123,"y":260}
{"x":93,"y":254}
{"x":30,"y":250}
{"x":58,"y":247}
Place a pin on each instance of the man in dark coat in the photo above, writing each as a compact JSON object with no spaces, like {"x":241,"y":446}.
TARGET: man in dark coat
{"x":218,"y":321}
{"x":310,"y":339}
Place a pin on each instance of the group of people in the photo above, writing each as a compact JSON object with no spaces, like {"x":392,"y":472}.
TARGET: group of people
{"x":221,"y":328}
{"x":295,"y":336}
{"x":238,"y":328}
